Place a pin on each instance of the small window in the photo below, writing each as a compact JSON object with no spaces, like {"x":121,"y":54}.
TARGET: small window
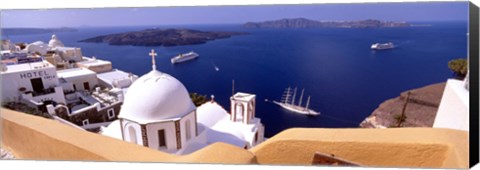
{"x":239,"y":111}
{"x":111,"y":113}
{"x":133,"y":134}
{"x":161,"y":138}
{"x":86,"y":86}
{"x":85,"y":122}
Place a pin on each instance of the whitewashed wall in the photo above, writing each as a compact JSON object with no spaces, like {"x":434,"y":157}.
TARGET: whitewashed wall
{"x":13,"y":81}
{"x":126,"y":124}
{"x":453,"y":112}
{"x":170,"y":136}
{"x":79,"y":80}
{"x":190,"y":117}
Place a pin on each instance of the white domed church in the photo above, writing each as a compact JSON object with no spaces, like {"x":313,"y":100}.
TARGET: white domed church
{"x":55,"y":42}
{"x":158,"y":113}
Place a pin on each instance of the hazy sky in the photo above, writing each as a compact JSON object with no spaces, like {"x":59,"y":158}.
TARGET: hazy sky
{"x":426,"y":11}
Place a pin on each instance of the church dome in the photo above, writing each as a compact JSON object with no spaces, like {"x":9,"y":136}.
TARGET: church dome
{"x":156,"y":97}
{"x":55,"y":42}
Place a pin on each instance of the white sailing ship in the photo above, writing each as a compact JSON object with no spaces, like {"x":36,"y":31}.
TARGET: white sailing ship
{"x":288,"y":102}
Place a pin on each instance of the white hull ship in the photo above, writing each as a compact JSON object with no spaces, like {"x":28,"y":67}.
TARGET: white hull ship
{"x":288,"y":102}
{"x":384,"y":46}
{"x":184,"y":57}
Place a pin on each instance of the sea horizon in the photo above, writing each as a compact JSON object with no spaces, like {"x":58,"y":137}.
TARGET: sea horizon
{"x":230,"y":24}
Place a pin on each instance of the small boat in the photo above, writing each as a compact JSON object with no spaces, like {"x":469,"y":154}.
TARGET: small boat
{"x":184,"y":57}
{"x":288,"y":102}
{"x":384,"y":46}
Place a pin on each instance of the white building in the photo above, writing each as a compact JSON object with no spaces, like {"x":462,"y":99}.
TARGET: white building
{"x":55,"y":42}
{"x":54,"y":84}
{"x":69,"y":53}
{"x":37,"y":47}
{"x":35,"y":82}
{"x":453,"y":112}
{"x":240,"y":127}
{"x":78,"y":79}
{"x":96,"y":65}
{"x":6,"y":45}
{"x":158,"y":113}
{"x":116,"y":79}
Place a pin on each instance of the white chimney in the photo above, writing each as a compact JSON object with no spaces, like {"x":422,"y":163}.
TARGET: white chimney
{"x":51,"y":109}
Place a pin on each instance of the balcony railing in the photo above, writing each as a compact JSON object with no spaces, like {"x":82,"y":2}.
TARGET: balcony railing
{"x":42,"y":92}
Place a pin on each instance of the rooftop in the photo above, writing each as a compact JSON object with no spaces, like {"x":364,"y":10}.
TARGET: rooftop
{"x":28,"y":67}
{"x":115,"y":75}
{"x":65,"y":48}
{"x":74,"y":72}
{"x":243,"y":96}
{"x":90,"y":62}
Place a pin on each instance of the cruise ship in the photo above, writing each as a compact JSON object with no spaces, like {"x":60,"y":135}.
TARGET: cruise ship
{"x":184,"y":57}
{"x":384,"y":46}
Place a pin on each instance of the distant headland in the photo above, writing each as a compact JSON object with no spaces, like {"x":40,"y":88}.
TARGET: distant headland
{"x":161,"y":37}
{"x":307,"y":23}
{"x":20,"y":31}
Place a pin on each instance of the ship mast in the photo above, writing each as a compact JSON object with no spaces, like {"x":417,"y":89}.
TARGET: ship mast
{"x":301,"y":97}
{"x":308,"y":103}
{"x":233,"y":87}
{"x":294,"y":94}
{"x":286,"y":96}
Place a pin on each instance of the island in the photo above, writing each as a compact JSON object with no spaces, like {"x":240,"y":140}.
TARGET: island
{"x":22,"y":31}
{"x":307,"y":23}
{"x":161,"y":37}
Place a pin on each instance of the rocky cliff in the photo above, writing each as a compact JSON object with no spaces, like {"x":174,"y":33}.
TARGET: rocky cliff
{"x":420,"y":111}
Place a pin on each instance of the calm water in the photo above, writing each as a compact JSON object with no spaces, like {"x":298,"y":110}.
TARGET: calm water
{"x":345,"y":79}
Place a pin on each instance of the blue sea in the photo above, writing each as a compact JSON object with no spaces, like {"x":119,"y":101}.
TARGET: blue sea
{"x":344,"y":77}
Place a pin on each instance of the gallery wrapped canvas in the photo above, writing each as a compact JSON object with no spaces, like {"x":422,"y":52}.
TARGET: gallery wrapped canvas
{"x":355,"y":84}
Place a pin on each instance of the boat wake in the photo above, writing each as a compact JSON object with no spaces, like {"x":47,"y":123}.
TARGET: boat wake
{"x":215,"y":67}
{"x":213,"y":64}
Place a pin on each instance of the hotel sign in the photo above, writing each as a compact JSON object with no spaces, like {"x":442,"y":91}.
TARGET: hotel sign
{"x":28,"y":60}
{"x":34,"y":74}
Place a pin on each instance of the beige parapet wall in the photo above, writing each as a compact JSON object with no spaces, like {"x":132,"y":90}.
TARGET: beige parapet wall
{"x":393,"y":147}
{"x":32,"y":137}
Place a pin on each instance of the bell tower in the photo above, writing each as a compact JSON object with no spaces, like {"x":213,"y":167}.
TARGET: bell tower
{"x":242,"y":107}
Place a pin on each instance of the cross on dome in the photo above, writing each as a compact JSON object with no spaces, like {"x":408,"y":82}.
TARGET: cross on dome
{"x":153,"y":54}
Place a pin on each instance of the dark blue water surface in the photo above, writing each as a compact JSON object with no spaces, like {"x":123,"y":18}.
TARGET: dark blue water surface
{"x":345,"y":79}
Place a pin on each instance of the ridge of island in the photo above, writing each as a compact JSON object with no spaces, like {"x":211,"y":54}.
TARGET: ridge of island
{"x":308,"y":23}
{"x":161,"y":37}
